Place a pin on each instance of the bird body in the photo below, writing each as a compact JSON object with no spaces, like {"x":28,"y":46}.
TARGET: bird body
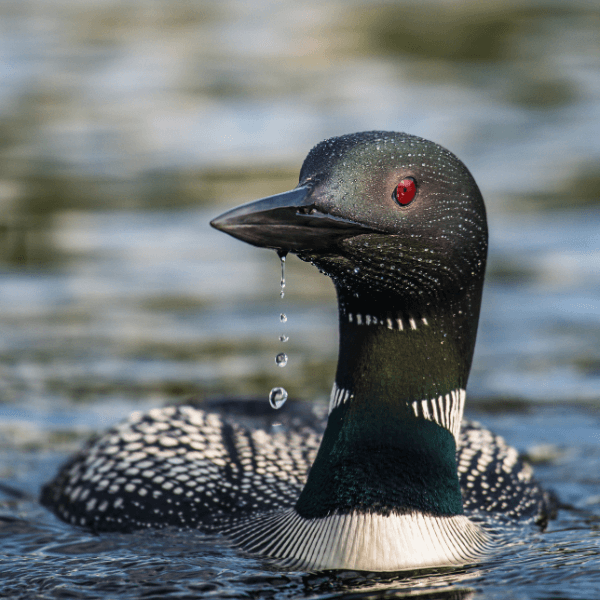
{"x":396,"y":482}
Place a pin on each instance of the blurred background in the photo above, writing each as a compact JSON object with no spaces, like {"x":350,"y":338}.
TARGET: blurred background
{"x":126,"y":126}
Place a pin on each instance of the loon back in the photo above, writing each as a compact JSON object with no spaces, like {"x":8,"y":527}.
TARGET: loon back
{"x":399,"y":225}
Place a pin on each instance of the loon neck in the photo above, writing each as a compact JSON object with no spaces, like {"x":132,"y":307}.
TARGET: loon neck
{"x":397,"y":354}
{"x":395,"y":410}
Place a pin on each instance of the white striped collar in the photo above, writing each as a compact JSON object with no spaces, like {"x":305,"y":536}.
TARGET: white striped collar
{"x":446,"y":410}
{"x":398,"y":323}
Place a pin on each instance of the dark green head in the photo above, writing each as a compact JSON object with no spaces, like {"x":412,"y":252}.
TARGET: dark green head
{"x":379,"y":212}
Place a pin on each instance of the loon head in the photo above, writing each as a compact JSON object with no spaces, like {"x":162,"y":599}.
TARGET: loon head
{"x":399,"y":225}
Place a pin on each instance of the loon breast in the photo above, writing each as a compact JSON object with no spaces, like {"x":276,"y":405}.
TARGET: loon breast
{"x":392,"y":478}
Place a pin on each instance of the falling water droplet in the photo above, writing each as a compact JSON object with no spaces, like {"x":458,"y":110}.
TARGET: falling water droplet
{"x":277,"y":397}
{"x":282,"y":281}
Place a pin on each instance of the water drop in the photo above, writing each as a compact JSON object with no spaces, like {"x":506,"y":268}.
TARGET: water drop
{"x":281,"y":255}
{"x":277,"y":397}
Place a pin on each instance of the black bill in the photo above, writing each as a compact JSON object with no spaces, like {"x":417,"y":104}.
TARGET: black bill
{"x":288,"y":222}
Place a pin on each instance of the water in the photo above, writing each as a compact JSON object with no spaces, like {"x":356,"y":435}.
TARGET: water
{"x":126,"y":128}
{"x":278,"y":397}
{"x":282,"y":280}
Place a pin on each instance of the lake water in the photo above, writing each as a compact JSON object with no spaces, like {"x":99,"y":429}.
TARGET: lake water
{"x":126,"y":127}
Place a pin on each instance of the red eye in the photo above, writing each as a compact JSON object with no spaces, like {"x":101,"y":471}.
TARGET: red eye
{"x":405,"y":191}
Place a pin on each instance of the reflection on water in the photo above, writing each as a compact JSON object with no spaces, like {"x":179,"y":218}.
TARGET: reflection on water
{"x":126,"y":127}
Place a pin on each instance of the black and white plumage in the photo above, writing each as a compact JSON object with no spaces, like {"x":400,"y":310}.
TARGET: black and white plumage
{"x":394,"y":481}
{"x":182,"y":466}
{"x":186,"y":467}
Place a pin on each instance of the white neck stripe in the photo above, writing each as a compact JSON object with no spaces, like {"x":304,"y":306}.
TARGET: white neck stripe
{"x":338,"y":396}
{"x":400,"y":324}
{"x":446,"y":411}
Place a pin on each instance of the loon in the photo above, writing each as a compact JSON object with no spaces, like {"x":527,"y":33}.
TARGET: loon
{"x":397,"y":480}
